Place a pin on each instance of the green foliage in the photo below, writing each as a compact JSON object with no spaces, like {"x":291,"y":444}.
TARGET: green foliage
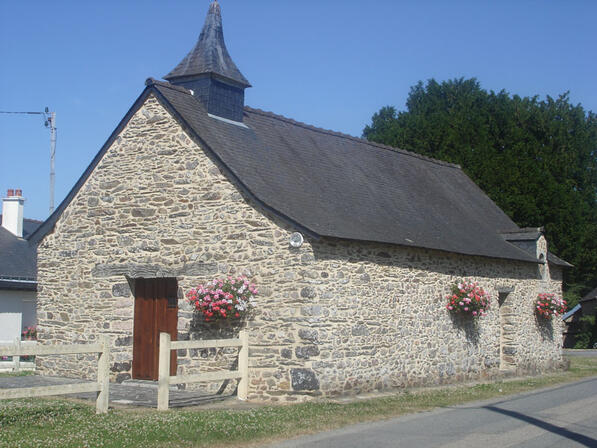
{"x":537,"y":159}
{"x":573,"y":294}
{"x":587,"y":336}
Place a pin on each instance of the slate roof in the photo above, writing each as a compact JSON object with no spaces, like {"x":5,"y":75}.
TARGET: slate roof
{"x":552,"y":258}
{"x":18,"y":257}
{"x":592,"y":295}
{"x":571,"y":312}
{"x":335,"y":185}
{"x":209,"y":55}
{"x":328,"y":184}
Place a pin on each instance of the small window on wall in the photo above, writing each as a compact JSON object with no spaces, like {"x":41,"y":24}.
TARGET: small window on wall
{"x":543,"y":267}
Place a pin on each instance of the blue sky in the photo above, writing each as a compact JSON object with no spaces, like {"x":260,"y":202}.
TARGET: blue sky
{"x":329,"y":63}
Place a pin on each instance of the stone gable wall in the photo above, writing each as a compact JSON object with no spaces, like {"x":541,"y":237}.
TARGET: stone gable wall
{"x":334,"y":316}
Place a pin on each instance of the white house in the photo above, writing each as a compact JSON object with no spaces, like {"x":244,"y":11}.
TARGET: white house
{"x":18,"y":271}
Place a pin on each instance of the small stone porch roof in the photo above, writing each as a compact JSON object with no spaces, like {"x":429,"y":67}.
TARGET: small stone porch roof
{"x":533,"y":234}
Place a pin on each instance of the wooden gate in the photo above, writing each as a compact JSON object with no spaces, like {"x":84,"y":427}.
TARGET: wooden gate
{"x":156,"y":310}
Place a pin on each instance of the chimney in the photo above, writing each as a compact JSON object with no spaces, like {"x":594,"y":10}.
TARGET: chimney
{"x":12,"y":212}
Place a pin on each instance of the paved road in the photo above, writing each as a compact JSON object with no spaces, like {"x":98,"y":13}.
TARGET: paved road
{"x":591,"y":353}
{"x":565,"y":416}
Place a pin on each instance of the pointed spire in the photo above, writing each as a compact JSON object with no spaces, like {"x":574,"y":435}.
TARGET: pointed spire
{"x":209,"y":55}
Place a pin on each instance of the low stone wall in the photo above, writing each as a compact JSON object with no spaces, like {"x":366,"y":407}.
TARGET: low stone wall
{"x":334,"y":316}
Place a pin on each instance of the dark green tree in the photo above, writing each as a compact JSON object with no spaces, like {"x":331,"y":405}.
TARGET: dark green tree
{"x":537,"y":159}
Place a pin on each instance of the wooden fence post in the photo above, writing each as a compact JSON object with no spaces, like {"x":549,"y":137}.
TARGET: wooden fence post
{"x":243,"y":366}
{"x":16,"y":359}
{"x":103,"y":377}
{"x":164,"y":372}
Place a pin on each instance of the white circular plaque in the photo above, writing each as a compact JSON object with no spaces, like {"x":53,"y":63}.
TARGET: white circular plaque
{"x":296,"y":239}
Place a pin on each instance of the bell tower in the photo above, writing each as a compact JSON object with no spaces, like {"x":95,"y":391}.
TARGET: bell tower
{"x":208,"y":70}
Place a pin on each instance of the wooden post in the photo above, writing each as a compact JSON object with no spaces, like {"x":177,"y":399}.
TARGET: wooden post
{"x":16,"y":359}
{"x":164,"y":372}
{"x":103,"y":377}
{"x":243,"y":366}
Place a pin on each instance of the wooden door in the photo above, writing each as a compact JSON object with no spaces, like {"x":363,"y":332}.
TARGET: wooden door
{"x":156,"y":310}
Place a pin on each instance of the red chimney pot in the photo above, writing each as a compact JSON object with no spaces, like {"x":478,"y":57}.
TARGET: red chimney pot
{"x":19,"y":192}
{"x":10,"y":192}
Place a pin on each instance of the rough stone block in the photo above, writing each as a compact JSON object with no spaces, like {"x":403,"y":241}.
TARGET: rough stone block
{"x":304,"y":379}
{"x":306,"y":351}
{"x":122,"y":377}
{"x":360,"y":330}
{"x":308,"y":292}
{"x":121,"y":290}
{"x":143,"y":212}
{"x":121,"y":367}
{"x":314,"y":310}
{"x":125,"y":341}
{"x":308,"y":334}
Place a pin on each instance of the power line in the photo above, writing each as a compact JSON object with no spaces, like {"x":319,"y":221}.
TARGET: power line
{"x":31,"y":113}
{"x":50,"y":122}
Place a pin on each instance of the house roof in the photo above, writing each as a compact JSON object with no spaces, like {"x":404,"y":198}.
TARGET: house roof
{"x":18,"y":257}
{"x":209,"y":55}
{"x":29,"y":226}
{"x":329,"y":184}
{"x":590,"y":296}
{"x":335,"y":185}
{"x":571,"y":312}
{"x":558,"y":261}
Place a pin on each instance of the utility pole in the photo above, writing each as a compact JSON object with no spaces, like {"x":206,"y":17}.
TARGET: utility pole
{"x":50,"y":122}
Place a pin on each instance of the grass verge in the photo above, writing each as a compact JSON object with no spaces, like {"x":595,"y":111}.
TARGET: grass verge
{"x":69,"y":423}
{"x":23,"y":373}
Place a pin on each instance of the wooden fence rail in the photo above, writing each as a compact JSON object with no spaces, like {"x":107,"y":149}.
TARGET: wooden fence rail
{"x":103,"y":371}
{"x":165,"y":380}
{"x":15,"y":364}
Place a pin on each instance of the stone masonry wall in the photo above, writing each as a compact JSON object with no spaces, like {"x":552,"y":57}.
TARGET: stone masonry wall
{"x":334,"y":316}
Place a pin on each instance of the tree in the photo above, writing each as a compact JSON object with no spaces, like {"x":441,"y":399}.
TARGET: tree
{"x":537,"y":159}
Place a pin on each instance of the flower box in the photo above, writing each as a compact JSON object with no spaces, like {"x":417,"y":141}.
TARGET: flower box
{"x":469,"y":299}
{"x":224,"y":299}
{"x":547,"y":305}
